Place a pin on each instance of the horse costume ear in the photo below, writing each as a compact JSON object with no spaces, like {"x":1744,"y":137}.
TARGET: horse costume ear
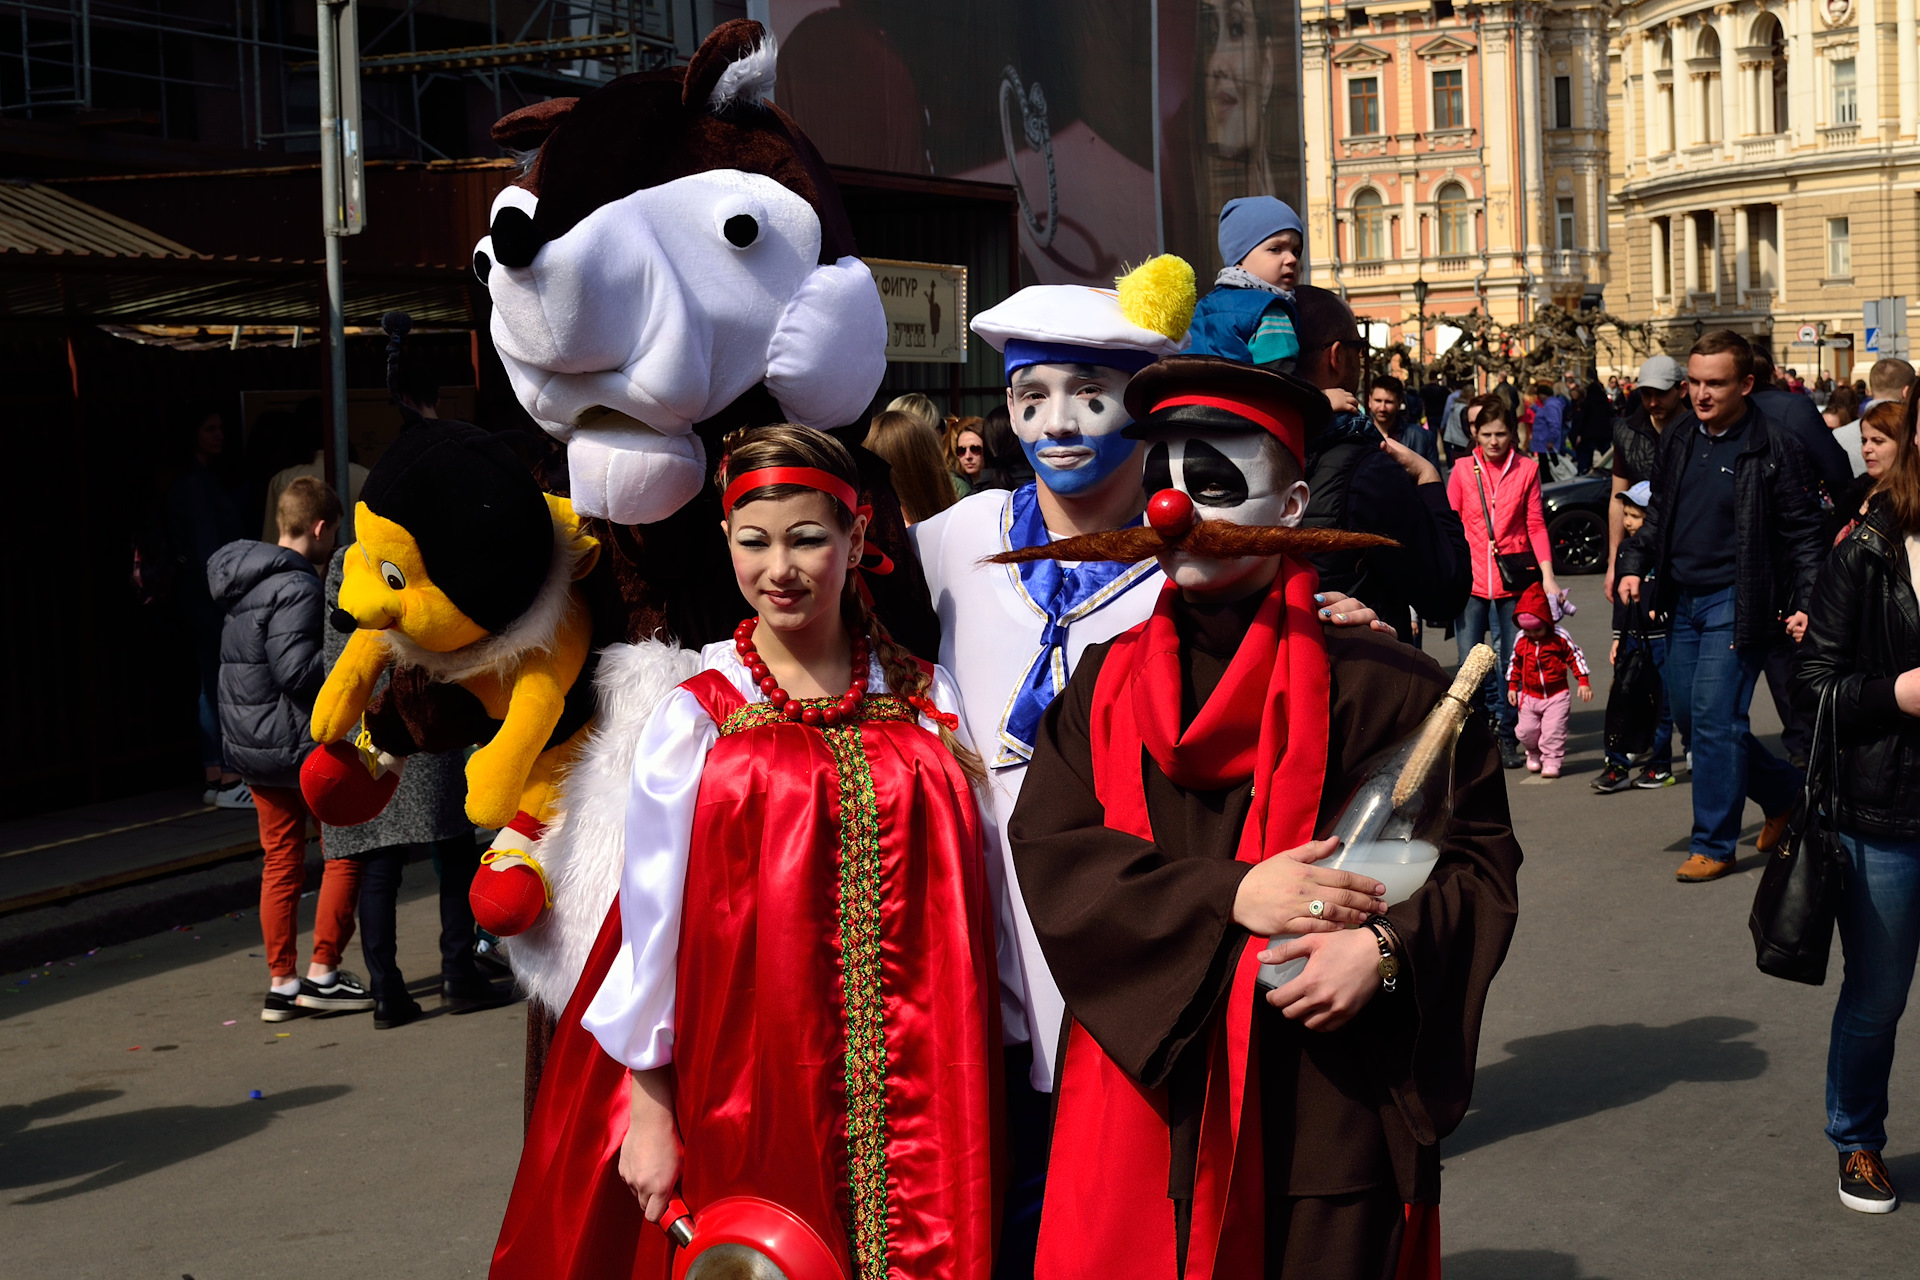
{"x":527,"y":128}
{"x":733,"y":65}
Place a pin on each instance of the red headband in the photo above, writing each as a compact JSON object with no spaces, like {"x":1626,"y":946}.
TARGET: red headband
{"x":809,"y":477}
{"x":1288,"y":428}
{"x":876,"y":561}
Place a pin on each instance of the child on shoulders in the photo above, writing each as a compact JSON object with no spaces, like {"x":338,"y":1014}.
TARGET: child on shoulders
{"x":1249,"y":315}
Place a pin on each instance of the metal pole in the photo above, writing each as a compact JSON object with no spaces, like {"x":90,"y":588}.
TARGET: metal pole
{"x":331,"y":223}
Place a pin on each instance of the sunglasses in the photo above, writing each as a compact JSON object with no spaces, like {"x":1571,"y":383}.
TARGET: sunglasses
{"x":967,"y":450}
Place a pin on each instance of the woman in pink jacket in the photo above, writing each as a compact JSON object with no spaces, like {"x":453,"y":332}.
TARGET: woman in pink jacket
{"x":1496,"y":485}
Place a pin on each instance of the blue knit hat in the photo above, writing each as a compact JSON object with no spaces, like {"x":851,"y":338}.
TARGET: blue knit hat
{"x":1247,"y":222}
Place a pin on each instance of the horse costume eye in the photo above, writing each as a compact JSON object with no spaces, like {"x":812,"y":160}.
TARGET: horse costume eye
{"x":394,"y":578}
{"x":741,"y":230}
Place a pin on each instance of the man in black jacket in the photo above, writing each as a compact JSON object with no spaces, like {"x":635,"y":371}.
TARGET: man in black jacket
{"x":1364,"y":483}
{"x":1732,"y":542}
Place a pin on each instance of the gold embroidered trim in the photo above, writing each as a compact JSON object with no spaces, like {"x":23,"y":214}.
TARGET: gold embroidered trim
{"x":866,"y":1030}
{"x":756,"y":715}
{"x":860,"y":890}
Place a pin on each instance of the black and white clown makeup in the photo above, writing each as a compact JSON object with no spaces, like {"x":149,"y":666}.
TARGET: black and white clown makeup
{"x":1239,"y":476}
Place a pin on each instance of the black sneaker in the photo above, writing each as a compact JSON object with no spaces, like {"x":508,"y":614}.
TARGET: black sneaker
{"x":1652,"y":778}
{"x":1511,"y":756}
{"x":464,"y":993}
{"x":1613,"y":778}
{"x":1864,"y":1184}
{"x":489,"y":959}
{"x":398,"y":1012}
{"x":345,"y":994}
{"x":280,"y":1008}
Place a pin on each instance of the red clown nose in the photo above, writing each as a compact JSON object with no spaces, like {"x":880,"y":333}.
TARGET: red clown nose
{"x":1170,"y":512}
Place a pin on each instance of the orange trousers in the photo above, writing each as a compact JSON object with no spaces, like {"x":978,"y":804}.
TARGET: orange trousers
{"x":283,"y":877}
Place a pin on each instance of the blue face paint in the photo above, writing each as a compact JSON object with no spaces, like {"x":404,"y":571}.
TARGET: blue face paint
{"x":1111,"y":451}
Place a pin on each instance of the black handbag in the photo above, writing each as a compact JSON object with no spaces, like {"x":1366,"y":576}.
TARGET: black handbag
{"x":1799,"y":895}
{"x":1518,"y":569}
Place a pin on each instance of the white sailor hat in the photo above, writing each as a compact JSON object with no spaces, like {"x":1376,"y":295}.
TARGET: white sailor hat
{"x":1144,"y":317}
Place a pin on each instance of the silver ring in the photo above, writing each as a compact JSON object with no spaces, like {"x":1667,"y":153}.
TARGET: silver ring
{"x":1316,"y":908}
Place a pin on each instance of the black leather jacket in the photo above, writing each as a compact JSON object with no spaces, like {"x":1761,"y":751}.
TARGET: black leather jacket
{"x":1776,"y":522}
{"x":1863,"y":631}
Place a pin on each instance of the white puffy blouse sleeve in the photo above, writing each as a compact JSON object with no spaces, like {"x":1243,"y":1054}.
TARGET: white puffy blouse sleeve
{"x":632,"y":1014}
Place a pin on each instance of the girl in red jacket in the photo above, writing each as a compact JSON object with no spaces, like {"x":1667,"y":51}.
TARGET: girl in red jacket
{"x":1543,"y":657}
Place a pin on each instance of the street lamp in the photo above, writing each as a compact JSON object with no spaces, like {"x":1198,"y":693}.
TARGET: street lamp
{"x":1699,"y":327}
{"x":1420,"y":303}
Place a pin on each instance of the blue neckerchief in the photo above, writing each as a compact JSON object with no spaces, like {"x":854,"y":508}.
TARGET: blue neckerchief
{"x":1061,"y":596}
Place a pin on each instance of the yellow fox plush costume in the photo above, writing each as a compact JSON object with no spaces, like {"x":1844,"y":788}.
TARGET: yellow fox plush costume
{"x":466,"y":571}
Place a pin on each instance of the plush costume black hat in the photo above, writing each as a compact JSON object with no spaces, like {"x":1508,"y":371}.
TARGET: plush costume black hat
{"x":479,"y":519}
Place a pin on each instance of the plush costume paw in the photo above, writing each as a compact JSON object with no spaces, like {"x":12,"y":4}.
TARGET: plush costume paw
{"x":510,"y":891}
{"x":339,"y":787}
{"x":507,"y":899}
{"x":830,"y":346}
{"x":627,"y":472}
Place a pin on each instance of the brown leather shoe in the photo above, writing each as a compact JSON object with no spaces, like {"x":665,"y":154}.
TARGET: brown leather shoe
{"x":1773,"y":833}
{"x":1700,"y":868}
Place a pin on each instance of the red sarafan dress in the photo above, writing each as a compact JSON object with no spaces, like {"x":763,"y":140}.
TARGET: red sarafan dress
{"x":805,"y":933}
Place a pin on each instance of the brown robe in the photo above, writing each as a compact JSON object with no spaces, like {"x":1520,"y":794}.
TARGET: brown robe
{"x":1141,"y":939}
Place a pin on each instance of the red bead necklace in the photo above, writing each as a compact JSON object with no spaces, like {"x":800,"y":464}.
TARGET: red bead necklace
{"x":813,"y":711}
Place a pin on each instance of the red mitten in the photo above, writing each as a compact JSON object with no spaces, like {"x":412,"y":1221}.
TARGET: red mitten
{"x":507,"y":900}
{"x":339,"y":790}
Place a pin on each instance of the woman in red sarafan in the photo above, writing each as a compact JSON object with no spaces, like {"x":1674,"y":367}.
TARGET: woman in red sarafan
{"x":797,"y":996}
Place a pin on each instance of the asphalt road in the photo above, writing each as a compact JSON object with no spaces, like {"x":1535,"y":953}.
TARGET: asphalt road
{"x":1648,"y":1104}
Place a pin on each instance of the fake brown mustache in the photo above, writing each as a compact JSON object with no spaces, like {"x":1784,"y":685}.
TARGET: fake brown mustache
{"x":1208,"y":539}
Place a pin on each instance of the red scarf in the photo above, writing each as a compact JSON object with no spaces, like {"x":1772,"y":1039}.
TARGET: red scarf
{"x":1106,"y":1211}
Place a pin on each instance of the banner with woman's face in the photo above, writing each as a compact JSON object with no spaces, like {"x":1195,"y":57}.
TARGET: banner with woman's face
{"x":1049,"y":96}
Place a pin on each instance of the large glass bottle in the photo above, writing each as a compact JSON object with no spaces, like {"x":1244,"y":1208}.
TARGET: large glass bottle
{"x":1392,"y":825}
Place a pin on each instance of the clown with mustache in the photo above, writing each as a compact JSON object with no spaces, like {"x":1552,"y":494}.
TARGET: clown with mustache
{"x":1204,"y":1126}
{"x":1012,"y":634}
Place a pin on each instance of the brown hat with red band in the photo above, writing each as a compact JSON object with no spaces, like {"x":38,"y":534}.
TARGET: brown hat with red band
{"x":1206,"y":393}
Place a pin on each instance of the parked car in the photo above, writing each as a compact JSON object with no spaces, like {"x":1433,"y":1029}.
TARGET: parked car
{"x":1577,"y":521}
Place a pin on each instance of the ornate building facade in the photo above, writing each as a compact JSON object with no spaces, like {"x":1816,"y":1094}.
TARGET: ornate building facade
{"x":1456,"y":151}
{"x":1766,"y":170}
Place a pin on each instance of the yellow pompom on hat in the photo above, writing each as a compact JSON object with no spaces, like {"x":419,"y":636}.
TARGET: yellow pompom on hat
{"x":1127,"y":327}
{"x":1160,"y":295}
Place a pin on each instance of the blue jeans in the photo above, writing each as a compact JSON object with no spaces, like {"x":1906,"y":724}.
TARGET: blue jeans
{"x":1710,"y":683}
{"x":1662,"y":757}
{"x":1474,"y":621}
{"x":1879,"y":936}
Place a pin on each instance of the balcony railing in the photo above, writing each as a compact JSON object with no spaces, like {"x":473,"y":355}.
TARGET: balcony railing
{"x":1563,"y":262}
{"x":1452,"y":265}
{"x":1369,"y":270}
{"x":1755,"y":150}
{"x":1839,"y":135}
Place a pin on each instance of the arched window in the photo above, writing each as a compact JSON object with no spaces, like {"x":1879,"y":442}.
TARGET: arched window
{"x":1711,"y":124}
{"x":1456,"y":220}
{"x":1369,"y":226}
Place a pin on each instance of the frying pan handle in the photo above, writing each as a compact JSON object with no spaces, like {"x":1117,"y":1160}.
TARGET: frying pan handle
{"x":677,"y":1222}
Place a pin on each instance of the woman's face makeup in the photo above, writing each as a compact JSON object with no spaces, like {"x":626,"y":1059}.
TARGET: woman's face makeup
{"x":791,"y":558}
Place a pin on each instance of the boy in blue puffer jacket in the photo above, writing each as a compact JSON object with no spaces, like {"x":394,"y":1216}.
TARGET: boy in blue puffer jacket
{"x":1249,"y":315}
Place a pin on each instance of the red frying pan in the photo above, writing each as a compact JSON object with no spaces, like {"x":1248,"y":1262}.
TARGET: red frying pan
{"x":746,"y":1238}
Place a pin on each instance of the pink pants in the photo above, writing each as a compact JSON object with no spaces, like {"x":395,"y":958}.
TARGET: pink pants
{"x":1543,"y":727}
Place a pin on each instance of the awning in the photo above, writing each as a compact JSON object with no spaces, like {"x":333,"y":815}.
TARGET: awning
{"x":64,"y":260}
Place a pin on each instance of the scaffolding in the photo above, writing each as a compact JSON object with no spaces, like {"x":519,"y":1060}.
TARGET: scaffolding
{"x":247,"y":77}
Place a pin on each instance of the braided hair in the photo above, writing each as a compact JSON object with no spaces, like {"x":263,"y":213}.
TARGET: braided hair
{"x":788,"y":445}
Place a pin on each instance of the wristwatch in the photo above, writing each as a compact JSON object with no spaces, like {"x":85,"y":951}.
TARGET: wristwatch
{"x":1384,"y":935}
